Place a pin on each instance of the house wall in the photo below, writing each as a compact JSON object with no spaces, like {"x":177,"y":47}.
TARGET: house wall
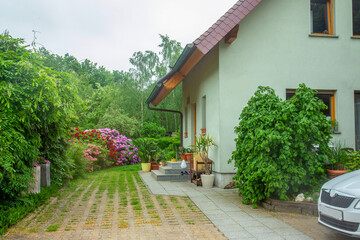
{"x":203,"y":81}
{"x":274,"y":49}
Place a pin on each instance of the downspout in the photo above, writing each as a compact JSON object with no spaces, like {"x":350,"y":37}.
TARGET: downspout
{"x":172,"y":111}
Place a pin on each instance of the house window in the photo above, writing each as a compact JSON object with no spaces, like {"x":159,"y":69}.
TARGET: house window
{"x":322,"y":13}
{"x":328,"y":97}
{"x":356,"y":17}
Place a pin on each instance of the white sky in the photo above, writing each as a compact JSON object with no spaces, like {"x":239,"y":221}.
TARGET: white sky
{"x":108,"y":32}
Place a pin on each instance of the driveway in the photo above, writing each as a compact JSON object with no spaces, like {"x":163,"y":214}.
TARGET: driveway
{"x":115,"y":204}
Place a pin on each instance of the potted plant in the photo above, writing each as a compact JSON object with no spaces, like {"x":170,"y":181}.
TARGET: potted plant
{"x":203,"y":144}
{"x":161,"y":157}
{"x":334,"y":125}
{"x":338,"y":158}
{"x":145,"y":149}
{"x":154,"y":160}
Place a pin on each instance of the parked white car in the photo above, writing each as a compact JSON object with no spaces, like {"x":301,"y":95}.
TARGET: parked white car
{"x":339,"y":204}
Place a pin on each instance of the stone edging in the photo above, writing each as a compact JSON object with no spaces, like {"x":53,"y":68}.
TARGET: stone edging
{"x":304,"y":208}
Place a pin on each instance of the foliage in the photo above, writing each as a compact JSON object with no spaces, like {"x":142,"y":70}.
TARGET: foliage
{"x":103,"y":148}
{"x":147,"y":149}
{"x":338,"y":156}
{"x":152,"y":130}
{"x":78,"y":163}
{"x":203,"y":145}
{"x":38,"y":105}
{"x":353,"y":161}
{"x":275,"y":152}
{"x":13,"y":211}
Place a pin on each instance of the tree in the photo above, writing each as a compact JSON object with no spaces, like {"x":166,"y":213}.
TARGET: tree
{"x":275,"y":153}
{"x":38,"y":106}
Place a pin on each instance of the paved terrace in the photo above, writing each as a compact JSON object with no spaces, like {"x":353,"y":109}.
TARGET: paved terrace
{"x":224,"y":209}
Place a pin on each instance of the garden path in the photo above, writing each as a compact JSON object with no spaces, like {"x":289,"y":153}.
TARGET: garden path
{"x":114,"y":204}
{"x":238,"y":221}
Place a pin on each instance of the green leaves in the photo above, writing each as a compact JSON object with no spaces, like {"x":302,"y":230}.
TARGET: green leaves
{"x":38,"y":105}
{"x":275,"y":154}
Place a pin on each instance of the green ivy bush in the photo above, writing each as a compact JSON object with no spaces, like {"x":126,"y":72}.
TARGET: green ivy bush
{"x":37,"y":106}
{"x":275,"y":152}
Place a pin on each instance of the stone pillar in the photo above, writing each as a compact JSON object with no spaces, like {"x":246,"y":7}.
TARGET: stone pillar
{"x":45,"y":174}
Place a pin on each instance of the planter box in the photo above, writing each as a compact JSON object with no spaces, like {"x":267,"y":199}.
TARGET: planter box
{"x":35,"y":186}
{"x":304,"y":208}
{"x":154,"y":166}
{"x":45,"y":175}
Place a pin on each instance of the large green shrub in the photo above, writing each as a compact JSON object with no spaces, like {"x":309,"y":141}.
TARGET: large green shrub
{"x":152,"y":130}
{"x":275,"y":152}
{"x":37,"y":106}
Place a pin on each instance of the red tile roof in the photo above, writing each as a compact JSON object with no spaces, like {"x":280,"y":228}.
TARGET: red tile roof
{"x":224,"y":25}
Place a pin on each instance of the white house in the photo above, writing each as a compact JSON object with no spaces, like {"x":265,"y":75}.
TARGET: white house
{"x":276,"y":43}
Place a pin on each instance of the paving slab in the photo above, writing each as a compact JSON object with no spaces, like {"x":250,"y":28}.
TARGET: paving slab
{"x":224,"y":209}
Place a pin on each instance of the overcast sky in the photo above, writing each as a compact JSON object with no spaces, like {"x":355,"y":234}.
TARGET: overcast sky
{"x":108,"y":31}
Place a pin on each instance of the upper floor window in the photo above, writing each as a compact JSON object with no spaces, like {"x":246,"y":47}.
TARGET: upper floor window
{"x":322,"y":14}
{"x":356,"y":17}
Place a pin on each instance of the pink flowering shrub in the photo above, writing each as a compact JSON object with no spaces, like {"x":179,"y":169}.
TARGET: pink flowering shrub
{"x":127,"y":153}
{"x":96,"y":157}
{"x":103,"y":148}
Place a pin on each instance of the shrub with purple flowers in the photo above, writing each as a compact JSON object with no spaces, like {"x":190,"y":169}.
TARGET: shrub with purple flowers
{"x":127,"y":153}
{"x":104,"y":148}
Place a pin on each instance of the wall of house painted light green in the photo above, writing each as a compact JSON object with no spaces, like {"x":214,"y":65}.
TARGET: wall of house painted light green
{"x":203,"y":81}
{"x":274,"y":49}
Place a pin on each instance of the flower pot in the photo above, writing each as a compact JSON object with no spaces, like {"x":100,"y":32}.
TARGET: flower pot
{"x":207,"y":180}
{"x":188,"y":156}
{"x":146,"y":167}
{"x":35,"y":186}
{"x":186,"y":134}
{"x":183,"y":156}
{"x":203,"y":131}
{"x":174,"y":160}
{"x":154,"y":166}
{"x":163,"y":164}
{"x":334,"y":173}
{"x":45,"y":174}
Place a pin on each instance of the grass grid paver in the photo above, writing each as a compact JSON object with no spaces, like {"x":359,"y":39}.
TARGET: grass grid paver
{"x":114,"y":204}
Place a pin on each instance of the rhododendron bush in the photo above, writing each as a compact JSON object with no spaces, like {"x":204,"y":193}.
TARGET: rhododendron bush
{"x":103,"y":148}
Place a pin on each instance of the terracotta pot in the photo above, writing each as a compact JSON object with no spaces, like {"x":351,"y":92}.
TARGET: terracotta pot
{"x":163,"y":164}
{"x":203,"y":130}
{"x":186,"y":134}
{"x":154,"y":166}
{"x":183,"y":156}
{"x":334,"y":173}
{"x":188,"y":156}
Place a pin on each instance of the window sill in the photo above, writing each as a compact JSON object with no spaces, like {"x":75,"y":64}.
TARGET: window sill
{"x":323,"y":36}
{"x":355,"y":37}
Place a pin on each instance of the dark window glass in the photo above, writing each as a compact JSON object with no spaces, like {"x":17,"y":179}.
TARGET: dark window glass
{"x":320,"y":16}
{"x":356,"y":17}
